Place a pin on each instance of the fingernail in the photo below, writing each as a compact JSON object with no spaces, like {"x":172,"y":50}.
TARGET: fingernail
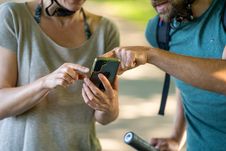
{"x":86,"y":69}
{"x":100,"y":75}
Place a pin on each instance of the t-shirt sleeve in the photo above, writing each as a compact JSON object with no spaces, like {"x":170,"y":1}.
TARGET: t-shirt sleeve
{"x":8,"y":38}
{"x":112,"y":37}
{"x":151,"y":32}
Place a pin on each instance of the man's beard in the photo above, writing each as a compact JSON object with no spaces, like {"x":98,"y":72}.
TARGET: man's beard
{"x":175,"y":9}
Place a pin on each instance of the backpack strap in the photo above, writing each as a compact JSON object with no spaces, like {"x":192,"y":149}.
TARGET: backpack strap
{"x":224,"y":16}
{"x":163,"y":39}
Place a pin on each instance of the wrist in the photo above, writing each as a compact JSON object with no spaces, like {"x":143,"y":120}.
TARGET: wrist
{"x":177,"y":137}
{"x":113,"y":113}
{"x":151,"y":55}
{"x":105,"y":117}
{"x":41,"y":84}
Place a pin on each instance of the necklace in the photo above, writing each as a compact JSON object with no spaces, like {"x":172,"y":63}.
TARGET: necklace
{"x":38,"y":14}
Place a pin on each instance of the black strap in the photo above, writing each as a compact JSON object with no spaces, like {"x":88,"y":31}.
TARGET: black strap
{"x":86,"y":25}
{"x":224,"y":16}
{"x":60,"y":11}
{"x":165,"y":92}
{"x":163,"y":39}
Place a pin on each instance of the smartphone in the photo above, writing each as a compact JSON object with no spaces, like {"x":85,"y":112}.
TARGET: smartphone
{"x":108,"y":67}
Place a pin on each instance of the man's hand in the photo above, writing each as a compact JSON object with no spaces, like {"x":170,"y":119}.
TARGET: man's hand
{"x":130,"y":57}
{"x":165,"y":144}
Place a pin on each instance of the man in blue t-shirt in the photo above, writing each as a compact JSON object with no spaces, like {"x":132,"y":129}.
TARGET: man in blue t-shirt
{"x":196,"y":61}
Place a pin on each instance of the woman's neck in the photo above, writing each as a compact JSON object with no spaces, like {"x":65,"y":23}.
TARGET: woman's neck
{"x":62,"y":20}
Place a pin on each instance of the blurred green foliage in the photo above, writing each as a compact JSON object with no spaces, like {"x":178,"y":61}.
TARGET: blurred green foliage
{"x":139,"y":11}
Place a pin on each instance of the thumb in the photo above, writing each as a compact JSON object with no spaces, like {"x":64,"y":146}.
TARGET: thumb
{"x":79,"y":68}
{"x":82,"y":69}
{"x":154,"y":141}
{"x":110,"y":54}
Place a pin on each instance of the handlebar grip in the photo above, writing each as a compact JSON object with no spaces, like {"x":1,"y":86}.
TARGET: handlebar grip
{"x":138,"y":143}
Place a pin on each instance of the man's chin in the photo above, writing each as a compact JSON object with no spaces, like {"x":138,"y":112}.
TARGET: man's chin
{"x":165,"y":17}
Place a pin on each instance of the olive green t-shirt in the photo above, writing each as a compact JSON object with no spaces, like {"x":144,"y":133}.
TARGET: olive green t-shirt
{"x":61,"y":121}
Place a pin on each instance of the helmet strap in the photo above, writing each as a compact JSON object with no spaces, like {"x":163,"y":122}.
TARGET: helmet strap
{"x":56,"y":9}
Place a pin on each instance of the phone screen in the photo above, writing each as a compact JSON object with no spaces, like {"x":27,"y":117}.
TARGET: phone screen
{"x":108,"y":67}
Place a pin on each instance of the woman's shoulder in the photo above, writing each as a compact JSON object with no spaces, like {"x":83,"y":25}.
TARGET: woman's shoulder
{"x":97,"y":20}
{"x":10,"y":8}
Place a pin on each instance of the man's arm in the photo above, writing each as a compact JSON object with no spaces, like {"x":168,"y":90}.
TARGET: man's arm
{"x":173,"y":142}
{"x":209,"y":74}
{"x":180,"y":123}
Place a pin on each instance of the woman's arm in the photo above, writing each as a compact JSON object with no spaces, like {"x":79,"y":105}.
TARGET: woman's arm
{"x":105,"y":103}
{"x":16,"y":100}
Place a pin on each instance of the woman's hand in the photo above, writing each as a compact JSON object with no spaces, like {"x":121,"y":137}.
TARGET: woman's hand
{"x":165,"y":144}
{"x":105,"y":103}
{"x":64,"y":76}
{"x":130,"y":57}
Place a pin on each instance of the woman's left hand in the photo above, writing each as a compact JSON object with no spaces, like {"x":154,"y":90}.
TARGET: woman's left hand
{"x":105,"y":103}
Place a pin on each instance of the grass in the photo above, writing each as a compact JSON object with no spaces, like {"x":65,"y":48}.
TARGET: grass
{"x":139,"y":11}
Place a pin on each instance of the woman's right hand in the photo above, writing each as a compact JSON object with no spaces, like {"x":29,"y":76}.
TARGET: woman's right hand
{"x":64,"y":76}
{"x":165,"y":144}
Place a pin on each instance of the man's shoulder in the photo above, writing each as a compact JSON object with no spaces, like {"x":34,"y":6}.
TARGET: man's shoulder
{"x":151,"y":31}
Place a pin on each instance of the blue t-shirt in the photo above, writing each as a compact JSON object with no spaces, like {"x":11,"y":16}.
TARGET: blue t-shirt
{"x":205,"y":111}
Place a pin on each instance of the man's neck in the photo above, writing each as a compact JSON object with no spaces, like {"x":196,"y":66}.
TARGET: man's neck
{"x":200,"y":6}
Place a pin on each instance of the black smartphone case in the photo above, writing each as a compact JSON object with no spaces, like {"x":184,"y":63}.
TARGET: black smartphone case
{"x":107,"y":68}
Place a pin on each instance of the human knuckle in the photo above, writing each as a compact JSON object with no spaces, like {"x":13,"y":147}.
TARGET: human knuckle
{"x":96,"y":93}
{"x":92,"y":98}
{"x":89,"y":101}
{"x":63,"y":75}
{"x":66,"y":64}
{"x":60,"y":82}
{"x":63,"y":65}
{"x":67,"y":69}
